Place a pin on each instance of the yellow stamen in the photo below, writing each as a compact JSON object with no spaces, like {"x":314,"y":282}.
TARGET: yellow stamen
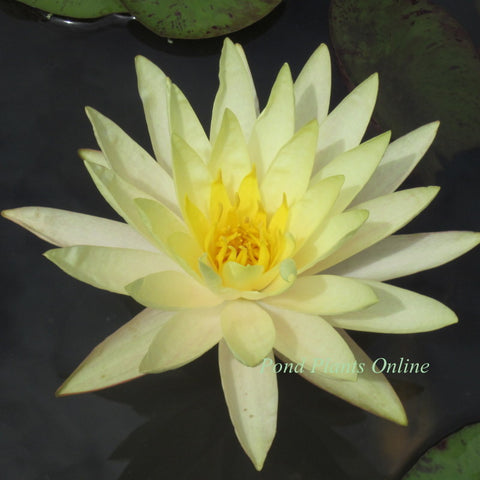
{"x":242,"y":232}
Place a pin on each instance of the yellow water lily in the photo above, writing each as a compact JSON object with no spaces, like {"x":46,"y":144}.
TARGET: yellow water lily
{"x":272,"y":235}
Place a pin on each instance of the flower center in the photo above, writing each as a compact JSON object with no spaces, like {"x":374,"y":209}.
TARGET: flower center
{"x":241,"y":231}
{"x":242,"y":242}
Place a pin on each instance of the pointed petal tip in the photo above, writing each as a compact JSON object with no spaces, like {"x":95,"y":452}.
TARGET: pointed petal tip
{"x":49,"y":254}
{"x":371,"y":81}
{"x":398,"y":416}
{"x":228,"y":41}
{"x":8,"y":214}
{"x":285,"y":70}
{"x":143,"y":64}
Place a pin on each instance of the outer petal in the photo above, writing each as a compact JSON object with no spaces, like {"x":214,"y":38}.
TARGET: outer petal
{"x":236,"y":91}
{"x":171,"y":290}
{"x":154,"y":88}
{"x":397,"y":311}
{"x":371,"y":391}
{"x":275,"y":125}
{"x":93,"y":156}
{"x":325,"y":295}
{"x":118,"y":357}
{"x":289,"y":173}
{"x":400,"y":255}
{"x":357,"y":166}
{"x":312,"y":88}
{"x":344,"y":128}
{"x":66,"y":229}
{"x":387,"y":214}
{"x":252,"y":399}
{"x":230,"y":154}
{"x":311,"y":340}
{"x":109,"y":268}
{"x":130,"y":161}
{"x":185,"y":124}
{"x":119,"y":194}
{"x":399,"y":160}
{"x":248,"y":331}
{"x":183,"y":338}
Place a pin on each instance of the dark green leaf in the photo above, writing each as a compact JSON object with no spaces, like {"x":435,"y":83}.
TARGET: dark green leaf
{"x":78,"y":8}
{"x":429,"y":69}
{"x":457,"y":457}
{"x":198,"y":18}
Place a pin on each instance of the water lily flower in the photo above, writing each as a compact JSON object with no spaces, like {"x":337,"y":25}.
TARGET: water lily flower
{"x":271,"y":236}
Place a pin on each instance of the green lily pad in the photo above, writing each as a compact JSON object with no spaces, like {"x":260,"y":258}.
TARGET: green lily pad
{"x":198,"y":18}
{"x":78,"y":8}
{"x":456,"y":457}
{"x":429,"y":69}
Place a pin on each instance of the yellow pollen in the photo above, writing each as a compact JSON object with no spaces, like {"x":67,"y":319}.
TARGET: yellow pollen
{"x":239,"y":243}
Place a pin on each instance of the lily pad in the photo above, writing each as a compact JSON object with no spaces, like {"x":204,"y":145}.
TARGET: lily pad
{"x":78,"y":8}
{"x":429,"y":69}
{"x":198,"y":18}
{"x":456,"y":457}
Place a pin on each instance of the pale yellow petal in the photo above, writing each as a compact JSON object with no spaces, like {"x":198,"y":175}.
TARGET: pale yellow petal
{"x":311,"y":341}
{"x":312,"y":88}
{"x":171,"y":290}
{"x":236,"y":91}
{"x":371,"y":391}
{"x":306,"y":215}
{"x":185,"y":124}
{"x":397,"y":311}
{"x":241,"y":52}
{"x":109,"y":268}
{"x":400,"y":255}
{"x":357,"y":166}
{"x":117,"y":358}
{"x":160,"y":221}
{"x":286,"y":275}
{"x":252,"y":400}
{"x":186,"y":252}
{"x":66,"y":229}
{"x":242,"y":277}
{"x":329,"y":238}
{"x":120,"y":195}
{"x":248,"y":330}
{"x":275,"y":125}
{"x":230,"y":154}
{"x":93,"y":156}
{"x":191,"y":175}
{"x":154,"y":89}
{"x":187,"y":335}
{"x":324,"y":295}
{"x":131,"y":162}
{"x":214,"y":281}
{"x":399,"y":160}
{"x":387,"y":214}
{"x":289,"y":173}
{"x":345,"y":126}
